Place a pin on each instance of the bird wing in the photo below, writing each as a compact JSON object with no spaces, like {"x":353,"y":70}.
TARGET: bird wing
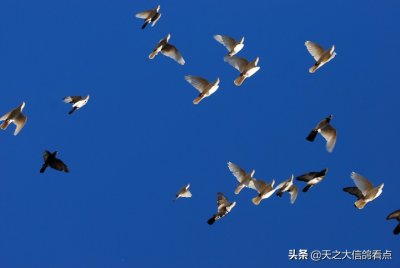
{"x":72,"y":99}
{"x":354,"y":191}
{"x":293,"y":191}
{"x":226,"y":41}
{"x":197,"y":82}
{"x":145,"y":14}
{"x":280,"y":185}
{"x":222,"y":201}
{"x":394,"y":215}
{"x":307,"y":177}
{"x":20,"y":122}
{"x":237,"y":62}
{"x":46,"y":155}
{"x":238,"y":172}
{"x":59,"y":165}
{"x":260,"y":186}
{"x":4,"y":117}
{"x":362,"y":183}
{"x":155,"y":18}
{"x":329,"y":134}
{"x":171,"y":51}
{"x":315,"y":50}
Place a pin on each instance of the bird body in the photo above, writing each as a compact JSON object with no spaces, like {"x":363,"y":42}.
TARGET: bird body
{"x":76,"y":101}
{"x":327,"y":132}
{"x":230,"y":44}
{"x":287,"y":186}
{"x":205,"y":88}
{"x":244,"y":179}
{"x":51,"y":160}
{"x":320,"y":55}
{"x":312,"y":178}
{"x":14,"y":116}
{"x":264,"y":190}
{"x":395,"y":215}
{"x":167,"y":50}
{"x":149,"y":16}
{"x":364,"y":190}
{"x":224,"y":207}
{"x":246,"y":68}
{"x":184,"y":192}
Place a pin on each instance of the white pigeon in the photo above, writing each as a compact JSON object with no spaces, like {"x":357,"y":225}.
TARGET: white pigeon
{"x":246,"y":68}
{"x":320,"y":55}
{"x":230,"y":44}
{"x":365,"y":191}
{"x":76,"y":101}
{"x":287,"y":186}
{"x":167,"y":50}
{"x":327,"y":131}
{"x":184,"y":192}
{"x":14,"y":116}
{"x":149,"y":16}
{"x":264,"y":190}
{"x":244,"y":179}
{"x":205,"y":88}
{"x":224,"y":207}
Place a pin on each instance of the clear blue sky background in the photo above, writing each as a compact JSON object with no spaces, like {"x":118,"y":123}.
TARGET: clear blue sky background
{"x":140,"y":138}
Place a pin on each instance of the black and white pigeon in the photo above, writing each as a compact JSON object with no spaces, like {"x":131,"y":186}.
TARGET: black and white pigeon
{"x":365,"y":191}
{"x":150,"y":16}
{"x":224,"y":207}
{"x":50,"y":160}
{"x":287,"y":186}
{"x":312,"y":178}
{"x":14,"y":116}
{"x":395,"y":215}
{"x":327,"y":131}
{"x":167,"y":50}
{"x":76,"y":101}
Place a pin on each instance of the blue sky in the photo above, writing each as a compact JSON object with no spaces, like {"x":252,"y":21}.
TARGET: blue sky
{"x":140,"y":138}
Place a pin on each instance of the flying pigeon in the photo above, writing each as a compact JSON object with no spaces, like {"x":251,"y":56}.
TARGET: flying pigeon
{"x":14,"y":116}
{"x":320,"y":55}
{"x":244,"y":179}
{"x":184,"y":192}
{"x":312,"y":178}
{"x":76,"y":101}
{"x":327,"y":131}
{"x":51,"y":160}
{"x":230,"y":44}
{"x":246,"y":68}
{"x":205,"y":88}
{"x":167,"y":50}
{"x":287,"y":186}
{"x":264,"y":190}
{"x":149,"y":16}
{"x":395,"y":215}
{"x":224,"y":207}
{"x":365,"y":191}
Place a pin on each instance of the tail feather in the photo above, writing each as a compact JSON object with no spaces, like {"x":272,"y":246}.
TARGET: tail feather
{"x":198,"y":99}
{"x":5,"y":124}
{"x":73,"y":110}
{"x":312,"y":135}
{"x":256,"y":200}
{"x":43,"y":168}
{"x":211,"y":220}
{"x":305,"y":189}
{"x":238,"y":81}
{"x":313,"y":68}
{"x":360,"y":204}
{"x":239,"y":188}
{"x":144,"y":25}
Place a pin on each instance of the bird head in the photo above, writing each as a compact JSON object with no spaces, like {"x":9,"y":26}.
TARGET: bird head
{"x":217,"y":81}
{"x":252,"y":173}
{"x":22,"y":105}
{"x":256,"y":61}
{"x":158,"y":8}
{"x":168,"y":37}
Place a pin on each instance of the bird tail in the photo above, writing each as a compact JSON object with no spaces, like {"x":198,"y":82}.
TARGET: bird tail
{"x":397,"y":229}
{"x":305,"y":189}
{"x":153,"y":54}
{"x":5,"y":124}
{"x":43,"y":168}
{"x":144,"y":25}
{"x":198,"y":99}
{"x":312,"y":135}
{"x":360,"y":204}
{"x":73,"y":110}
{"x":239,"y":188}
{"x":256,"y":200}
{"x":211,"y":220}
{"x":313,"y":68}
{"x":238,"y":81}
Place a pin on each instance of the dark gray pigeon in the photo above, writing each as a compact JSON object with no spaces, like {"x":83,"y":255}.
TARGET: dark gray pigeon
{"x":224,"y":207}
{"x":395,"y":215}
{"x":50,"y":160}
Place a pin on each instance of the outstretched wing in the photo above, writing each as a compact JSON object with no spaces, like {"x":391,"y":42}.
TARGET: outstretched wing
{"x":222,"y":201}
{"x":394,"y":215}
{"x":293,"y":191}
{"x":237,"y":62}
{"x":354,"y":191}
{"x":238,"y":172}
{"x":172,"y":52}
{"x":20,"y":122}
{"x":315,"y":50}
{"x":72,"y":99}
{"x":226,"y":41}
{"x":362,"y":183}
{"x":329,"y":134}
{"x":197,"y":82}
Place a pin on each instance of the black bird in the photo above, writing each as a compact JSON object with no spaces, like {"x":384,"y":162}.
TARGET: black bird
{"x":51,"y":160}
{"x":312,"y":178}
{"x":395,"y":215}
{"x":327,"y":131}
{"x":224,"y":207}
